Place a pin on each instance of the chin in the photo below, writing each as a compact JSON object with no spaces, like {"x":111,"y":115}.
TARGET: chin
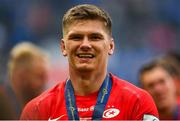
{"x":85,"y":68}
{"x":162,"y":105}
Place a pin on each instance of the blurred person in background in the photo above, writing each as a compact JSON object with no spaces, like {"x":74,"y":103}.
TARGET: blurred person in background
{"x":173,"y":58}
{"x":90,"y":92}
{"x":158,"y":78}
{"x":28,"y":74}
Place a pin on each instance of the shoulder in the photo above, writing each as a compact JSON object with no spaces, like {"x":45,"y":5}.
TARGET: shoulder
{"x":131,"y":94}
{"x":44,"y":102}
{"x":135,"y":98}
{"x":126,"y":88}
{"x":49,"y":94}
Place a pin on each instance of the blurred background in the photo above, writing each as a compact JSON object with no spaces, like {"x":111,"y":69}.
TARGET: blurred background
{"x":142,"y":30}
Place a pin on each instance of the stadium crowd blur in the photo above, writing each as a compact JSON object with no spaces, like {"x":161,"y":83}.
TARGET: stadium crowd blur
{"x":142,"y":30}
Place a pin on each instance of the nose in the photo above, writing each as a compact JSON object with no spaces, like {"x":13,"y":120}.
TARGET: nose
{"x":86,"y":44}
{"x":158,"y":88}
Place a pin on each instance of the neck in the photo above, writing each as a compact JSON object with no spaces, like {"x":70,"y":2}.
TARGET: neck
{"x":85,"y":83}
{"x":168,"y":113}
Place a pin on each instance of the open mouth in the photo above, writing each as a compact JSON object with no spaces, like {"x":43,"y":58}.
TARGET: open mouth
{"x":85,"y":55}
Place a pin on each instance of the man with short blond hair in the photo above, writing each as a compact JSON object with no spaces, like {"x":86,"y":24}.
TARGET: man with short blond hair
{"x":90,"y":92}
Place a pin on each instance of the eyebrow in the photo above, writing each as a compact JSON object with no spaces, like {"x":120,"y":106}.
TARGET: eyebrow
{"x":74,"y":35}
{"x":96,"y":34}
{"x":91,"y":34}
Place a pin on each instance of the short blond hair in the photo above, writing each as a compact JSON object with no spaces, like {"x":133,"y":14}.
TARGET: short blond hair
{"x":86,"y":12}
{"x":23,"y":54}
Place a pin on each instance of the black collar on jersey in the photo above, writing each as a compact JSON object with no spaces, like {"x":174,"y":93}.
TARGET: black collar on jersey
{"x":102,"y":99}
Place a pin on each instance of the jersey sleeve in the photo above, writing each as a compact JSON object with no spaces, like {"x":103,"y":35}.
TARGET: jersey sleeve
{"x":30,"y":112}
{"x":35,"y":110}
{"x":145,"y":108}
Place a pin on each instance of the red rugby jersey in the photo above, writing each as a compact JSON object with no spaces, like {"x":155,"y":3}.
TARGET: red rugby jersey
{"x":126,"y":102}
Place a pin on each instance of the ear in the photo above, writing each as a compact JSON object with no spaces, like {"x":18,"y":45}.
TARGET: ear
{"x":63,"y":48}
{"x":111,"y":47}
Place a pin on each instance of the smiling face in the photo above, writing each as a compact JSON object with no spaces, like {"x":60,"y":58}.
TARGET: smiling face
{"x":87,"y":45}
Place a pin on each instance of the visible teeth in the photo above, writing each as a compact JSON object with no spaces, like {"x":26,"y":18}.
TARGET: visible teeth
{"x":85,"y":56}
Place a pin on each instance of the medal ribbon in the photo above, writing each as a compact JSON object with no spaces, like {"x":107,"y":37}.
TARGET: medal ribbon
{"x":101,"y":102}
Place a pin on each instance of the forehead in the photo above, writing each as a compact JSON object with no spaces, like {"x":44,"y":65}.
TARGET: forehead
{"x":83,"y":26}
{"x":155,"y":74}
